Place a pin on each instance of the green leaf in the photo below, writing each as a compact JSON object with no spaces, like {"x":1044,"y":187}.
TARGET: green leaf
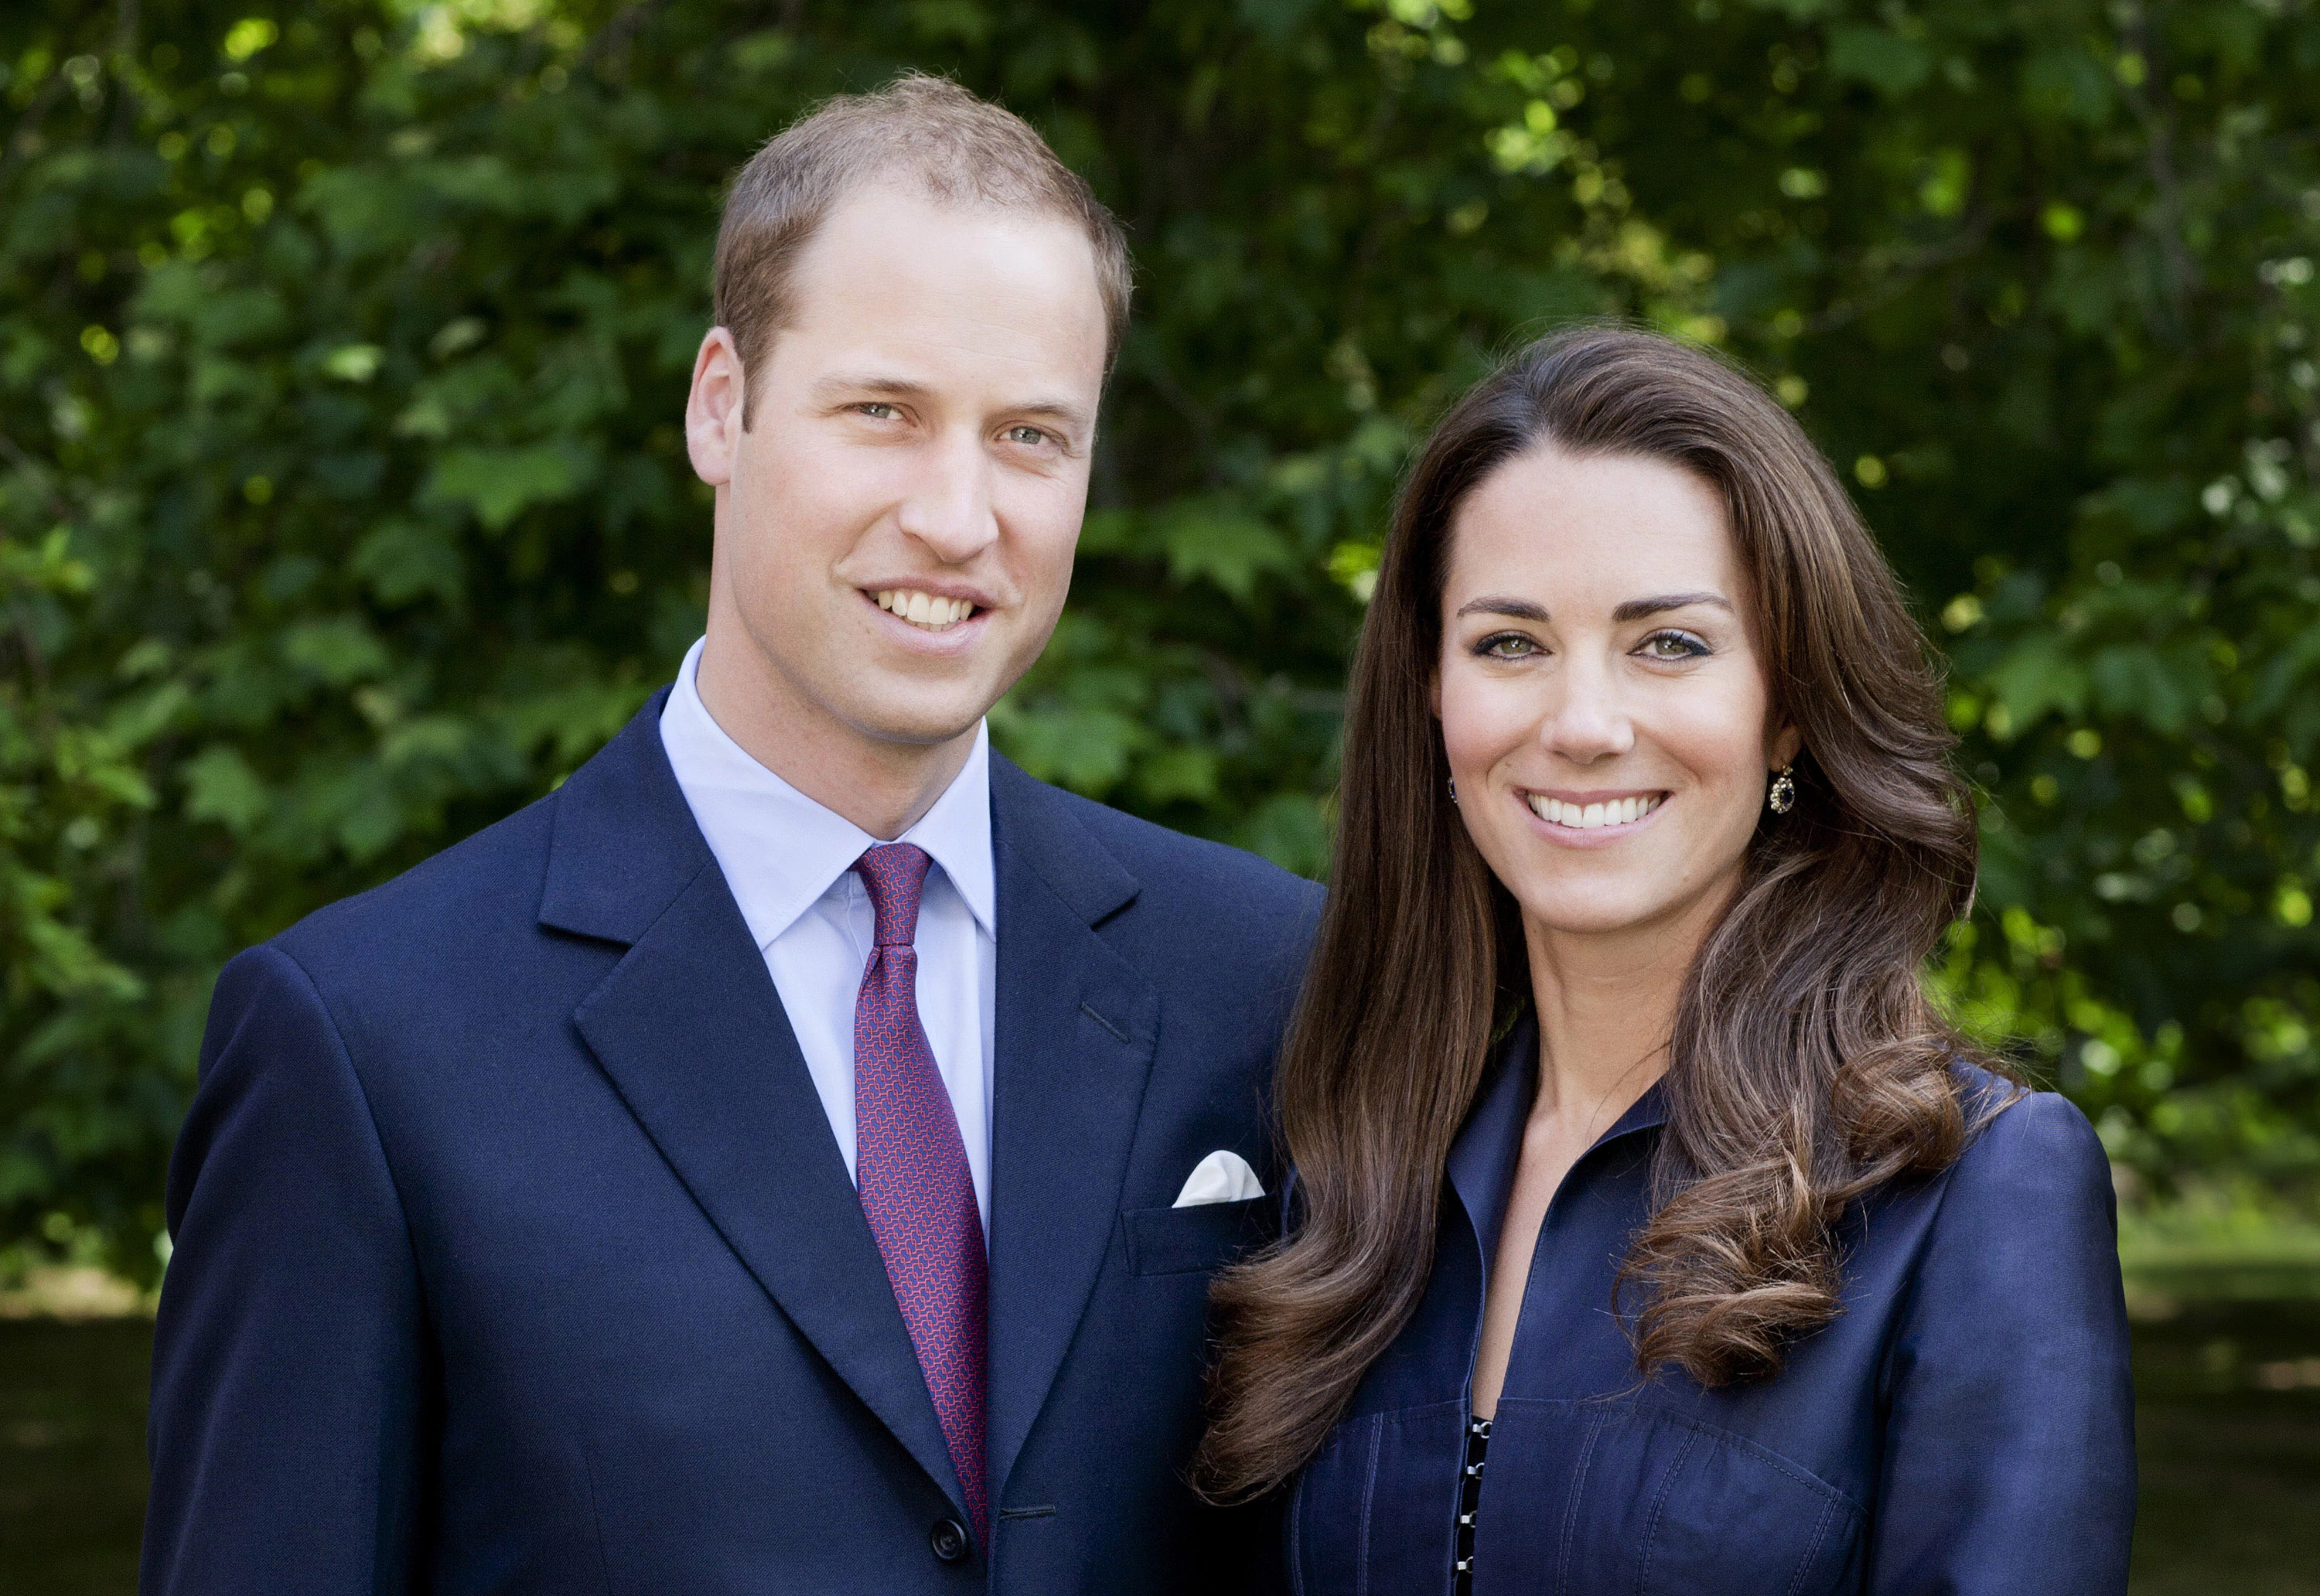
{"x":500,"y":484}
{"x":2037,"y":677}
{"x":1879,"y":57}
{"x":404,"y":560}
{"x":1215,"y":538}
{"x":221,"y":786}
{"x":339,"y":649}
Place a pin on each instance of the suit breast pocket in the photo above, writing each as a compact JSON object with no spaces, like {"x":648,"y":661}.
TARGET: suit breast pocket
{"x":1194,"y":1240}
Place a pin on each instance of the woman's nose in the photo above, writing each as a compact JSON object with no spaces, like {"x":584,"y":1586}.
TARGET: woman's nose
{"x":1587,"y":723}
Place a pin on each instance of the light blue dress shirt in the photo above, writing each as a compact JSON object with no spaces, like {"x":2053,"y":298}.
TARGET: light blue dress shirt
{"x":789,"y":863}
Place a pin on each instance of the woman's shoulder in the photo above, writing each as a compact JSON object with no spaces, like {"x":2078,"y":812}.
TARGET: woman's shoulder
{"x":2024,"y":1147}
{"x":2017,"y":1249}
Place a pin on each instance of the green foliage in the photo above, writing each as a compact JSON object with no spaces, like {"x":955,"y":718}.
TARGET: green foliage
{"x":343,"y":506}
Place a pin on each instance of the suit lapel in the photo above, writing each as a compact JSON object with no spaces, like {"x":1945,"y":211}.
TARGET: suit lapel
{"x":690,"y":1030}
{"x":1075,"y":1033}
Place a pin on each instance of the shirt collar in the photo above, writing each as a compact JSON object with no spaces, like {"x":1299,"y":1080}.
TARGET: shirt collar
{"x":1481,"y":1164}
{"x":781,"y":851}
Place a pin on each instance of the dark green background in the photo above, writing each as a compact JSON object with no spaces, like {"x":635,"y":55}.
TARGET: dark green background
{"x":343,"y":509}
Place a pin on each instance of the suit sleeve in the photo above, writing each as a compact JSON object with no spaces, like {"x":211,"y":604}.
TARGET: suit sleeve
{"x":291,"y":1372}
{"x":2010,"y":1450}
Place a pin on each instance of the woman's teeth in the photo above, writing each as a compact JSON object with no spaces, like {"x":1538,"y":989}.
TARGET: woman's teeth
{"x":924,"y":609}
{"x":1587,"y":817}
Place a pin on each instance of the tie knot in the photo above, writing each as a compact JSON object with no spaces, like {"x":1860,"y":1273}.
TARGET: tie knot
{"x":894,"y":872}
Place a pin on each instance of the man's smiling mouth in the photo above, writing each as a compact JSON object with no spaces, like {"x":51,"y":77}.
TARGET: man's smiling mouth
{"x":925,"y":610}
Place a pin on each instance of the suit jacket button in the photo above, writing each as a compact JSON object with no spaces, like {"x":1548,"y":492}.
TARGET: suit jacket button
{"x":948,"y":1539}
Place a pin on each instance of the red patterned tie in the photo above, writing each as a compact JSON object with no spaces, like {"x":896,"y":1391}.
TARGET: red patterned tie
{"x":910,"y":1167}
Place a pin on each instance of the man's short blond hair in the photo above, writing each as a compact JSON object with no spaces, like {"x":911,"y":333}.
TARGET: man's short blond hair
{"x":920,"y":130}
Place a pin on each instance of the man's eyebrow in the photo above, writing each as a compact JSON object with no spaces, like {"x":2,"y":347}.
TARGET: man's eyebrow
{"x":1637,"y":609}
{"x":1513,"y":608}
{"x":1061,"y":410}
{"x":868,"y":382}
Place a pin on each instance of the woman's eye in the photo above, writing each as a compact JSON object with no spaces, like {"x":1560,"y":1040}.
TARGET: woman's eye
{"x":1674,"y":645}
{"x":1507,"y":645}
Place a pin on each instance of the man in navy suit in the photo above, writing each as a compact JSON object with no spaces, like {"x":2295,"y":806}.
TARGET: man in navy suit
{"x":790,"y":1156}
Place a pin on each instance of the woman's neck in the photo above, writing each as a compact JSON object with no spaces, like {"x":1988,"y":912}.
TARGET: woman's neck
{"x":1606,"y":1005}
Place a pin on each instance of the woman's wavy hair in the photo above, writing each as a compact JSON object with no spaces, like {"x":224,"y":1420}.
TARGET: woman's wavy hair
{"x":1806,"y":1066}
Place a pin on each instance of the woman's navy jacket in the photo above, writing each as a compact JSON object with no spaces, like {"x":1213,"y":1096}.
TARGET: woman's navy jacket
{"x":1965,"y":1427}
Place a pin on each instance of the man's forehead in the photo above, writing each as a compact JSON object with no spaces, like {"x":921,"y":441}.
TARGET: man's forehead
{"x":951,"y":269}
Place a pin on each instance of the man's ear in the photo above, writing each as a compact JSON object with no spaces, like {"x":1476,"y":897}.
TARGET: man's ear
{"x":713,"y":410}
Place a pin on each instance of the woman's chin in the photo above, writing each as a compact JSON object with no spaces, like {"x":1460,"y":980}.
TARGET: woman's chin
{"x":1612,"y":916}
{"x":1621,"y":911}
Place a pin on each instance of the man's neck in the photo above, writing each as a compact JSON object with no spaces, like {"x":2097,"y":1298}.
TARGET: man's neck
{"x":884,"y":787}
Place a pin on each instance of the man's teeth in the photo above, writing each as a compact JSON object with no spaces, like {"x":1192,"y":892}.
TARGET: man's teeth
{"x":924,"y":609}
{"x":1587,"y":817}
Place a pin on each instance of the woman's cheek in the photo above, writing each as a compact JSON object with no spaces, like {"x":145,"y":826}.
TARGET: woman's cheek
{"x":1483,"y":720}
{"x":1720,"y":743}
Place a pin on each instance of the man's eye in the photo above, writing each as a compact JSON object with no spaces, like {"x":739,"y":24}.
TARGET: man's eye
{"x":1030,"y":437}
{"x":878,"y":411}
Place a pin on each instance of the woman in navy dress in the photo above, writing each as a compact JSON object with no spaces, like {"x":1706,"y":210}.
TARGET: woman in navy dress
{"x":1651,"y":1232}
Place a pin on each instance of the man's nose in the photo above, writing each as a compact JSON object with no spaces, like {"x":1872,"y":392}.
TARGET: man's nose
{"x":1587,"y":721}
{"x":949,"y":507}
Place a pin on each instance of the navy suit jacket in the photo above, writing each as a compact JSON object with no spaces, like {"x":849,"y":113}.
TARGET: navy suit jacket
{"x":514,"y":1253}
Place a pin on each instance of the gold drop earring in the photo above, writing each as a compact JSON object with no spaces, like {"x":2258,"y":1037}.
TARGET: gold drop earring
{"x":1782,"y":798}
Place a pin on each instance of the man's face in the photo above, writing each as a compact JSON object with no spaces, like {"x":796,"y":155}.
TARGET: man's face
{"x":896,"y":524}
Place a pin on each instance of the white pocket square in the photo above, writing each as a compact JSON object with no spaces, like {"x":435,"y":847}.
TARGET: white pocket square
{"x":1223,"y":1176}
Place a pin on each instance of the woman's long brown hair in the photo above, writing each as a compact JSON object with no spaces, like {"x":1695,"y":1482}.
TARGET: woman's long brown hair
{"x":1806,"y":1066}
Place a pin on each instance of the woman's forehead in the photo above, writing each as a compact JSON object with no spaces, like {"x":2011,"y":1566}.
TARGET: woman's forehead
{"x":1598,"y":532}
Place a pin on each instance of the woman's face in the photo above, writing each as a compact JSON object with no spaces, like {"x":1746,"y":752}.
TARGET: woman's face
{"x":1601,"y":699}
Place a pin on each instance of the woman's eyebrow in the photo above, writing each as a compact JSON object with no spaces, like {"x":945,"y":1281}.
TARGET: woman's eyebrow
{"x":1633,"y":610}
{"x":1513,"y":608}
{"x":1637,"y":609}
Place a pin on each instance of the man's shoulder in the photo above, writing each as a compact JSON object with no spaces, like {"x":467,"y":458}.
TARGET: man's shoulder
{"x":476,"y":893}
{"x":616,"y":831}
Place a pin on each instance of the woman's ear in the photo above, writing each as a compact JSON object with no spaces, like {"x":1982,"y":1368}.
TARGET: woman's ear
{"x":1785,"y":746}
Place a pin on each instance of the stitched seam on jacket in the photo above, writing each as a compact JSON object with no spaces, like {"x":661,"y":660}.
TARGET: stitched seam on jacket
{"x":1659,"y":1511}
{"x":1571,"y":1508}
{"x":386,"y":1165}
{"x":1820,"y":1533}
{"x":1905,"y":1311}
{"x":1369,"y":1494}
{"x":595,"y":1517}
{"x":1297,"y":1538}
{"x":370,"y":1114}
{"x":1754,"y":1450}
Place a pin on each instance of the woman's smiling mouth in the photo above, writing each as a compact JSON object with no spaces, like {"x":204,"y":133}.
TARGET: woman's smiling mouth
{"x":1593,"y":813}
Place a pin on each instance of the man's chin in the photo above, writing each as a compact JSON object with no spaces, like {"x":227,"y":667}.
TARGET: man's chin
{"x":918,"y":723}
{"x":916,"y":706}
